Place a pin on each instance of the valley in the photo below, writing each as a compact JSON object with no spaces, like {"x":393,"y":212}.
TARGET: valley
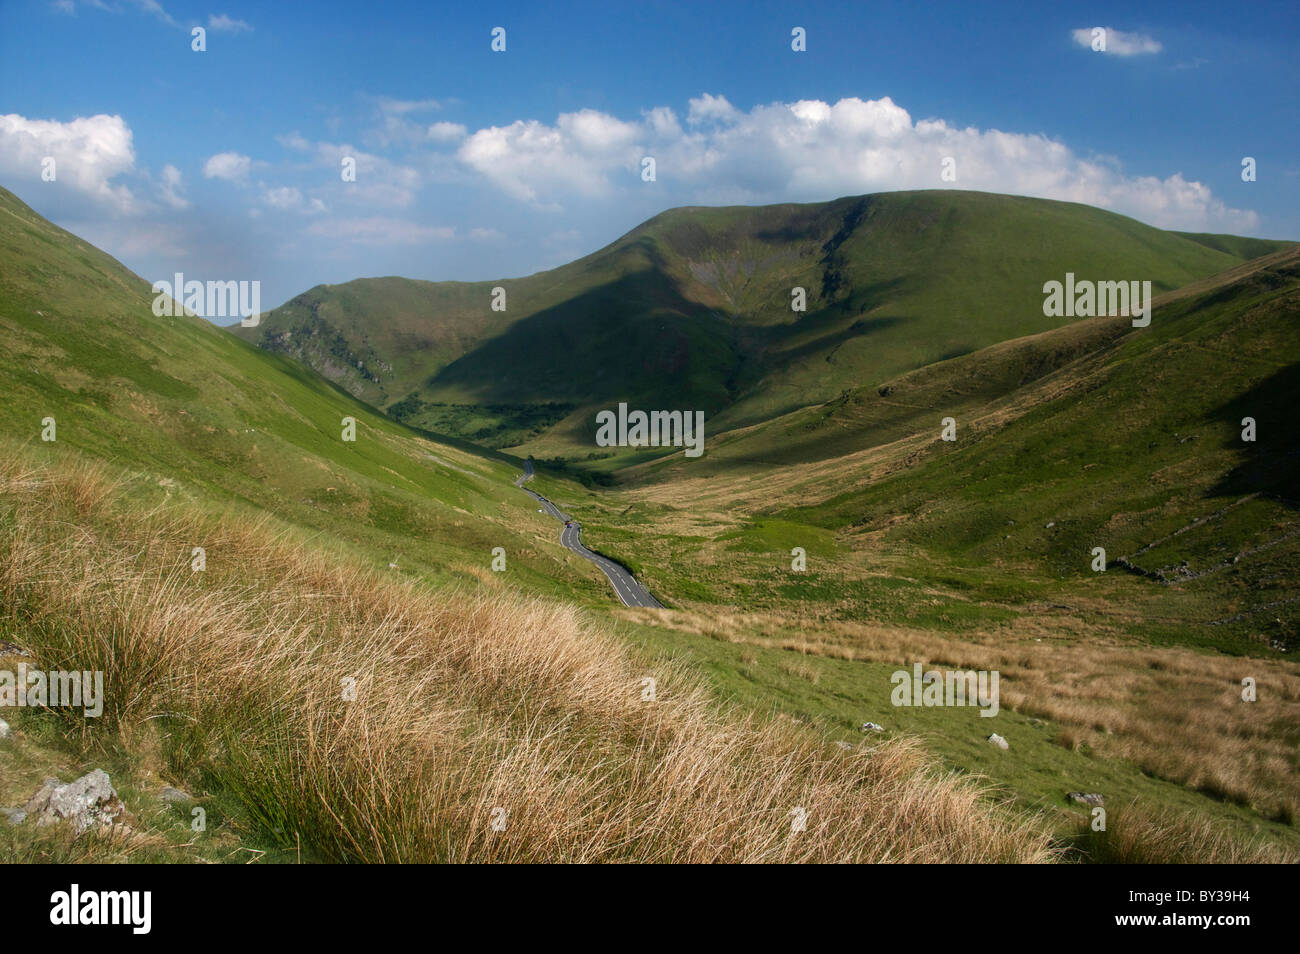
{"x":827,"y":538}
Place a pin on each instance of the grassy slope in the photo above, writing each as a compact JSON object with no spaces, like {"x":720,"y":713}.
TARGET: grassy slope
{"x":692,"y":309}
{"x":178,"y":402}
{"x":923,"y":550}
{"x":468,"y":709}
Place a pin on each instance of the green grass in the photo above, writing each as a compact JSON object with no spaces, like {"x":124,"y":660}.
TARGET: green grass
{"x":183,"y":407}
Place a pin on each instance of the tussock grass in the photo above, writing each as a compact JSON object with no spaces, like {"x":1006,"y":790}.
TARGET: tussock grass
{"x":1136,"y":837}
{"x":469,"y":707}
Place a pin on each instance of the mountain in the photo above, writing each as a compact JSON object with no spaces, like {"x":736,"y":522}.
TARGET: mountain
{"x":692,"y":309}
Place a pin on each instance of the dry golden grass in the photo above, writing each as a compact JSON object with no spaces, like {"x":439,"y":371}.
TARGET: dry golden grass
{"x":1134,"y":837}
{"x":469,"y":707}
{"x":1175,"y":712}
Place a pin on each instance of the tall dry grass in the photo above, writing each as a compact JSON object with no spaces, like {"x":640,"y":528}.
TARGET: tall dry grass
{"x":1134,"y":837}
{"x":1175,"y":712}
{"x":466,"y":705}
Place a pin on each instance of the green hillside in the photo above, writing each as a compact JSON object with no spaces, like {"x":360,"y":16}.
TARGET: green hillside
{"x":186,"y":409}
{"x":693,"y":309}
{"x":979,"y":552}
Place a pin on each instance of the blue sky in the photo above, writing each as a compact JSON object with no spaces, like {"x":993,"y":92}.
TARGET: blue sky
{"x":473,"y":164}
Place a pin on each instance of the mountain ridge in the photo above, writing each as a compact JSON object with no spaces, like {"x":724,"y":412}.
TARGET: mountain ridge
{"x":695,"y":304}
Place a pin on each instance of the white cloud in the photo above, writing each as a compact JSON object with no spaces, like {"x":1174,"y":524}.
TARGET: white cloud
{"x":88,"y":153}
{"x":578,"y":154}
{"x":662,"y":122}
{"x":379,"y":230}
{"x":812,"y":150}
{"x":230,"y":166}
{"x":170,"y":188}
{"x":220,"y":23}
{"x":708,"y":108}
{"x":1117,"y":42}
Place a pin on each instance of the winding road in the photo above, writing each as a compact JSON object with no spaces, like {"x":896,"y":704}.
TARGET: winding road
{"x":625,"y":584}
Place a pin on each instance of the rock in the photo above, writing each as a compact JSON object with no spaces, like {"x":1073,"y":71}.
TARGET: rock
{"x":5,"y":731}
{"x":872,"y":727}
{"x":844,"y":745}
{"x":1050,"y":525}
{"x":89,"y":802}
{"x":999,"y":741}
{"x":13,"y":816}
{"x":1086,"y":798}
{"x":171,"y":795}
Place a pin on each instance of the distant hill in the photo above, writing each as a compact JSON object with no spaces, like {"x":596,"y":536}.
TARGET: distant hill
{"x":693,"y":309}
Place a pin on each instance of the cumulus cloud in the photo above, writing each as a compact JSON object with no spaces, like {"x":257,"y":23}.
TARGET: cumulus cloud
{"x":579,"y":153}
{"x":1116,"y":42}
{"x":812,"y":150}
{"x":88,"y":153}
{"x":709,"y":107}
{"x":230,"y":166}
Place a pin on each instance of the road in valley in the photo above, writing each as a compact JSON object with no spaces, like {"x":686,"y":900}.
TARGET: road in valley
{"x":625,"y":584}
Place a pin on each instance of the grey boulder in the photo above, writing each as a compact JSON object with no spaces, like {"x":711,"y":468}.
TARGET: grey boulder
{"x":89,"y":802}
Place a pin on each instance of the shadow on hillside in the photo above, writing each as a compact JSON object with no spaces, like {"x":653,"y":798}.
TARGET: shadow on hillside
{"x":1270,"y":464}
{"x":635,"y":339}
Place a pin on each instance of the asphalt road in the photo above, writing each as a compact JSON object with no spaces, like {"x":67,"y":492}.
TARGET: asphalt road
{"x":625,"y":584}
